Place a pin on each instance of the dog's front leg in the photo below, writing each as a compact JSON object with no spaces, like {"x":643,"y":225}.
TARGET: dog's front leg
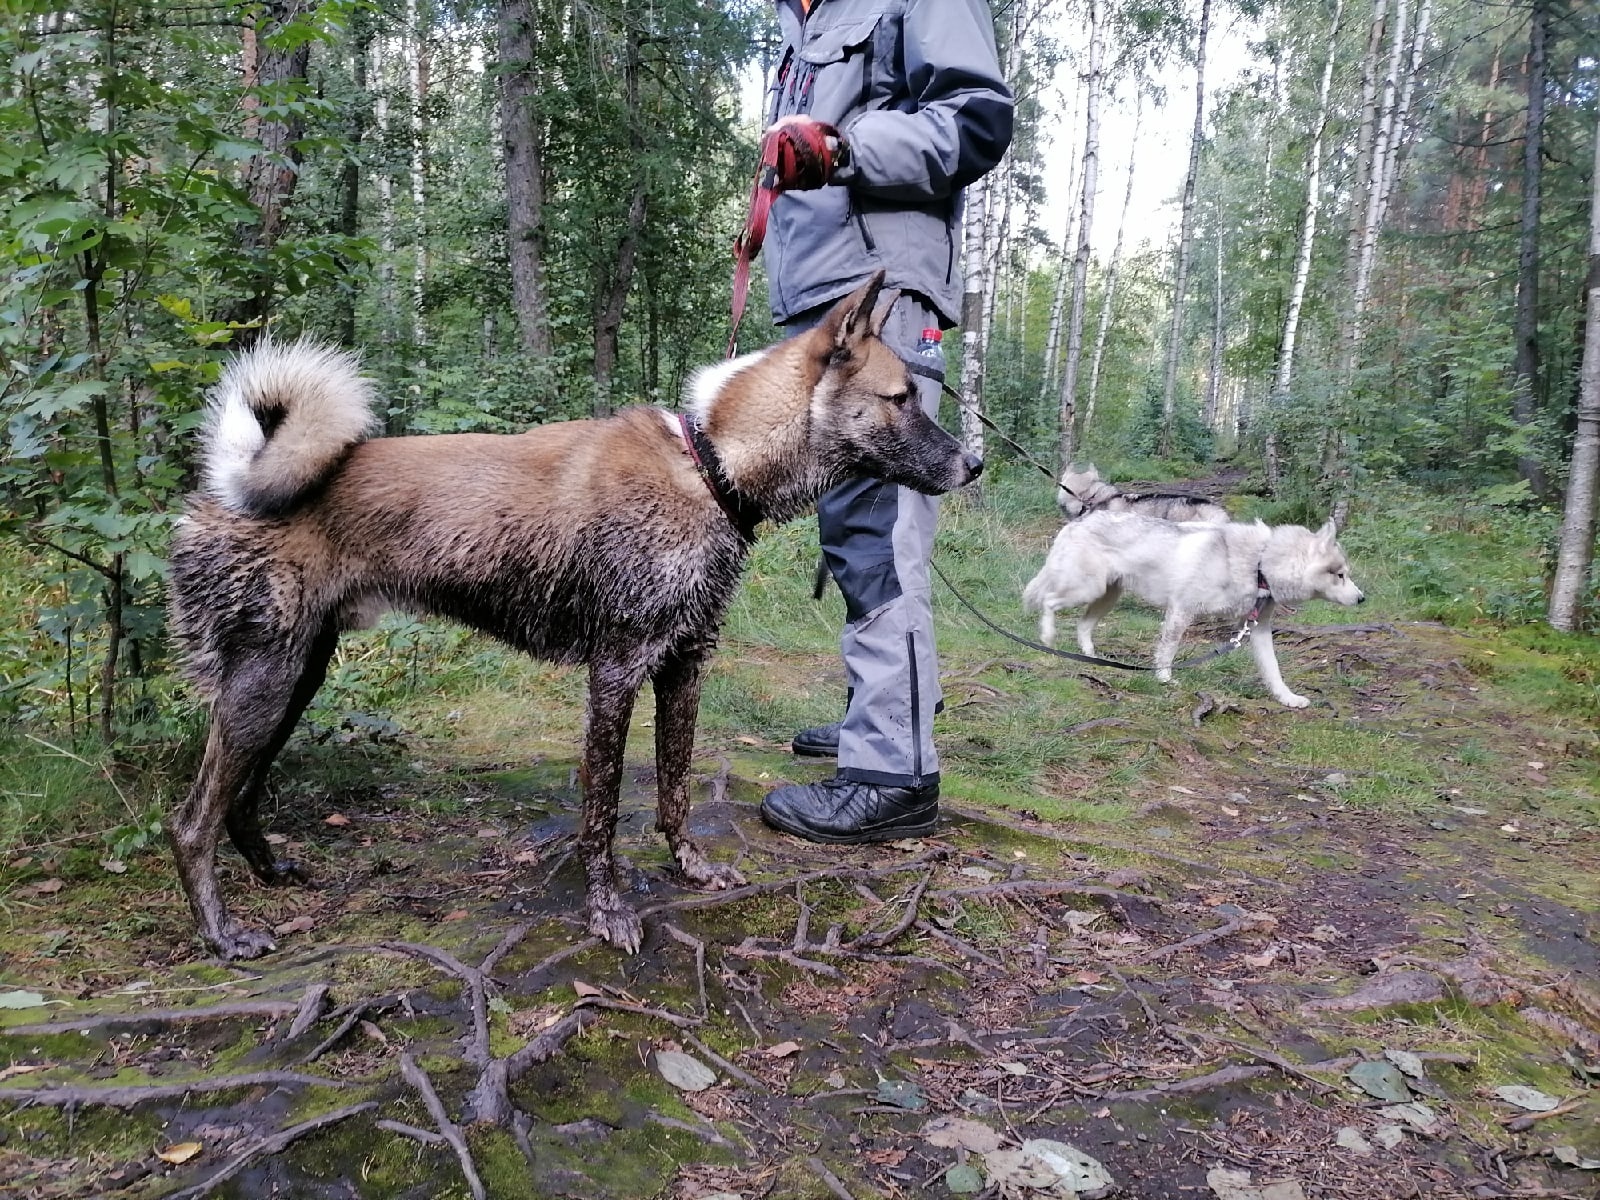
{"x":677,"y":687}
{"x":612,"y":688}
{"x":1267,"y":663}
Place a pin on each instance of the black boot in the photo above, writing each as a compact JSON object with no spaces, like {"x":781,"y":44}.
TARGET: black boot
{"x":845,"y":812}
{"x":821,"y":741}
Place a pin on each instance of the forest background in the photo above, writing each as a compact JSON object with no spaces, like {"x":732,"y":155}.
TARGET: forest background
{"x":1372,"y":302}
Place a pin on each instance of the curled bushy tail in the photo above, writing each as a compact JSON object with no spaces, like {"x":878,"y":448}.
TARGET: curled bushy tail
{"x":281,"y":418}
{"x":1033,"y":595}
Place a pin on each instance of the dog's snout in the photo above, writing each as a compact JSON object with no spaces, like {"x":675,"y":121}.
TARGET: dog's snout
{"x":1361,"y":597}
{"x":974,"y":465}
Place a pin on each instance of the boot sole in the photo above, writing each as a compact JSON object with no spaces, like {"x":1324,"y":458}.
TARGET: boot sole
{"x":860,"y":838}
{"x":808,"y":750}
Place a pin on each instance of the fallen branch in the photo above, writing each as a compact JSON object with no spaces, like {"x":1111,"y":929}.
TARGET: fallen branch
{"x":699,"y":948}
{"x":873,"y":941}
{"x":426,"y":1136}
{"x":1199,"y":1083}
{"x":1266,"y":1056}
{"x":843,"y":874}
{"x":507,"y":944}
{"x":310,"y":1010}
{"x":352,"y":1013}
{"x":829,"y":1179}
{"x":274,"y":1143}
{"x":1203,"y":938}
{"x":418,"y":1078}
{"x":744,"y":1077}
{"x":122,"y":1097}
{"x":1043,"y":887}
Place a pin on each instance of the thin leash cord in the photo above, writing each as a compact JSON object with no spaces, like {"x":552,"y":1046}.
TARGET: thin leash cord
{"x":1217,"y":651}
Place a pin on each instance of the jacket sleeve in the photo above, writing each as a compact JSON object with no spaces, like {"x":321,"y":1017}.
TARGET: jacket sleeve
{"x":961,"y":124}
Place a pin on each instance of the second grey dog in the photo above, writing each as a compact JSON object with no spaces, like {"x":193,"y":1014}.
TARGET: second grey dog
{"x":1082,"y":491}
{"x":1189,"y":571}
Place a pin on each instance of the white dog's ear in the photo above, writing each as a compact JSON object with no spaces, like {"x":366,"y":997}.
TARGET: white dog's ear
{"x":1329,"y":531}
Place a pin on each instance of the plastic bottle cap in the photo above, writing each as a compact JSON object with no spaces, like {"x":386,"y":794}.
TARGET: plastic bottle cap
{"x":932,"y":335}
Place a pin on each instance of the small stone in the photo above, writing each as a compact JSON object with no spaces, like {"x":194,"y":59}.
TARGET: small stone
{"x":1350,"y":1138}
{"x":1389,"y":1136}
{"x":683,"y":1071}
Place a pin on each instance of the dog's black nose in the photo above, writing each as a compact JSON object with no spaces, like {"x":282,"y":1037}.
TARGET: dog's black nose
{"x":1361,"y":599}
{"x":974,"y":465}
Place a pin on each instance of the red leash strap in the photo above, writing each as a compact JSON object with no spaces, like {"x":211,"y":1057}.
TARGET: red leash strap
{"x":794,"y":154}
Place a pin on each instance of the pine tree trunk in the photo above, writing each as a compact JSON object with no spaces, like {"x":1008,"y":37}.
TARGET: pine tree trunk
{"x":1109,"y":298}
{"x":1169,"y":380}
{"x":1525,"y":369}
{"x":1575,"y":552}
{"x":270,"y":177}
{"x":419,"y":172}
{"x":350,"y":176}
{"x":524,"y":160}
{"x":1067,"y":428}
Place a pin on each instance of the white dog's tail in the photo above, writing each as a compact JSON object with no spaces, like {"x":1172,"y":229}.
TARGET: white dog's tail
{"x":1033,"y":596}
{"x":280,"y":419}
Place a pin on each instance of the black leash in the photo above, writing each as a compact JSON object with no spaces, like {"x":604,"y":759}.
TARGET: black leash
{"x":1262,"y":609}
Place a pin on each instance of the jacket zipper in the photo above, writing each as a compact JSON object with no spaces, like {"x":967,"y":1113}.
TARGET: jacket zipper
{"x":916,"y":708}
{"x":861,"y":225}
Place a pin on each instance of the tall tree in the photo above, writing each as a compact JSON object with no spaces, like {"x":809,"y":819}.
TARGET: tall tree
{"x":1575,"y":551}
{"x":522,"y":127}
{"x":1525,"y":367}
{"x":1108,"y":297}
{"x":1169,"y":379}
{"x":1067,"y":434}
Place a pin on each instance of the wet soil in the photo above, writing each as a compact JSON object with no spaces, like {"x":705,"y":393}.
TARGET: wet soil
{"x":1184,"y":991}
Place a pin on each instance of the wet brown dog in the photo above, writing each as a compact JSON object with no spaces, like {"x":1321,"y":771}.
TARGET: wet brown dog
{"x":616,"y":543}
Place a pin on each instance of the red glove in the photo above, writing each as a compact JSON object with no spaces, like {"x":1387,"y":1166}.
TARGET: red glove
{"x":800,"y":153}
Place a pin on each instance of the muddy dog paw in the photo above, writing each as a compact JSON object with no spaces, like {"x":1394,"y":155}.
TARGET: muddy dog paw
{"x":612,"y":918}
{"x":703,"y":873}
{"x":285,"y":872}
{"x":235,"y":940}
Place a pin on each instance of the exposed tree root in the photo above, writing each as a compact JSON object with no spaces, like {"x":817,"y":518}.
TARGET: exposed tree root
{"x":271,"y":1144}
{"x":1203,"y":938}
{"x":122,"y":1097}
{"x":451,"y":1132}
{"x":210,"y":1012}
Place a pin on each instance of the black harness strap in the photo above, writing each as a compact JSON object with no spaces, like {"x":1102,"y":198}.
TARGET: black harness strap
{"x":744,"y":513}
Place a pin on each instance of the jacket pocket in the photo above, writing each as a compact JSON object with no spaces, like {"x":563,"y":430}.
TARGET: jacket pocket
{"x":837,"y":65}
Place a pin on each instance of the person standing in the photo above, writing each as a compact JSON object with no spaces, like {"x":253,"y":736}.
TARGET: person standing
{"x":908,"y":99}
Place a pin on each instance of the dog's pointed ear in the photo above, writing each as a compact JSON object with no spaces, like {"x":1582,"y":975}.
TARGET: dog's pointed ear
{"x":880,"y":315}
{"x":850,"y":320}
{"x":1329,"y":531}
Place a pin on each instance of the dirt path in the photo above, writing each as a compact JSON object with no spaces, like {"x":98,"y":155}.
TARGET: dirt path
{"x":1409,"y":868}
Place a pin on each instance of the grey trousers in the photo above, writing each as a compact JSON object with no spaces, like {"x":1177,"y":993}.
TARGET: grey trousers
{"x":877,"y":538}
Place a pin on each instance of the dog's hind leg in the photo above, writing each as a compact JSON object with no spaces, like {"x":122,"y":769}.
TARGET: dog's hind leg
{"x":245,"y":716}
{"x":677,"y":688}
{"x":243,"y":821}
{"x":1173,"y":625}
{"x":613,"y":686}
{"x":1092,"y":614}
{"x":1267,"y":663}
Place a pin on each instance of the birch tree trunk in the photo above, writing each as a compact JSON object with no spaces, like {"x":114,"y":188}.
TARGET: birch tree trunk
{"x":1575,"y":552}
{"x":1219,"y":328}
{"x":380,"y":117}
{"x":1109,"y":298}
{"x":1169,"y":380}
{"x":1284,"y":375}
{"x":974,"y":264}
{"x":350,"y":174}
{"x":1068,"y":443}
{"x":1525,"y":369}
{"x":1058,"y":302}
{"x":524,"y":160}
{"x":612,"y":297}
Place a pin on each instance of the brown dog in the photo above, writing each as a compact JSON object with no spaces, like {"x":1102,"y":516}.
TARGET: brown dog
{"x":616,"y":543}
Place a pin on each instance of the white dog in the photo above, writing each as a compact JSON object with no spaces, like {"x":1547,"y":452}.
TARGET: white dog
{"x":1189,"y":570}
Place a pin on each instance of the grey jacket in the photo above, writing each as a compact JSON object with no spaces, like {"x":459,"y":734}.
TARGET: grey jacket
{"x":915,"y":88}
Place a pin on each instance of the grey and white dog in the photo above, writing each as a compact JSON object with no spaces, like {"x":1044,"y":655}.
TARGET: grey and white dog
{"x":1081,"y":490}
{"x":1189,"y":571}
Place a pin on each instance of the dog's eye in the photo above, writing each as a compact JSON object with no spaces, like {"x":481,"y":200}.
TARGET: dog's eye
{"x":899,"y":400}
